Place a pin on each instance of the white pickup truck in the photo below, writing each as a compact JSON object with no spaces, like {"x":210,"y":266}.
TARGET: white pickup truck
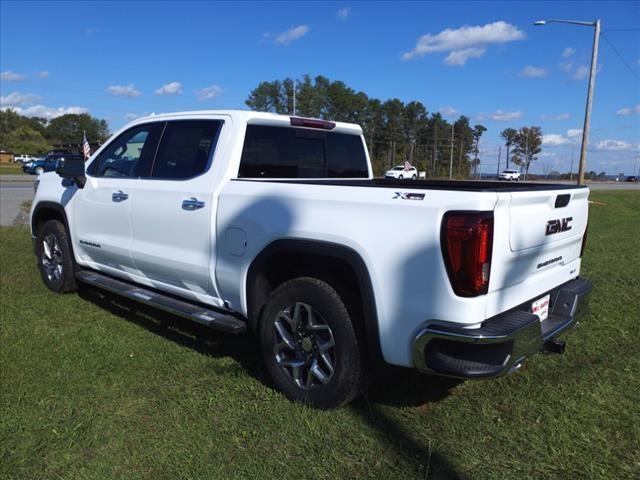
{"x":248,"y":221}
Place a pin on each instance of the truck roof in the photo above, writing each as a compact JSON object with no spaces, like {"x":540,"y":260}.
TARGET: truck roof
{"x":245,"y":116}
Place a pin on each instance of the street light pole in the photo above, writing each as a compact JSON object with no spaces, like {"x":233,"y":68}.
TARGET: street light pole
{"x":592,"y":80}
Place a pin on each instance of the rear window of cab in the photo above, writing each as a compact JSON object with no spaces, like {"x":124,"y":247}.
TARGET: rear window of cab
{"x":287,"y":152}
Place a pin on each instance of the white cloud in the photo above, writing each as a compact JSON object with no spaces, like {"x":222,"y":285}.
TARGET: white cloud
{"x":16,"y":99}
{"x":568,"y":52}
{"x":505,"y":116}
{"x":132,"y":116}
{"x":555,"y":140}
{"x":343,"y":13}
{"x":48,"y":112}
{"x":559,"y":116}
{"x":43,"y":74}
{"x":291,"y":35}
{"x":208,"y":93}
{"x":9,"y":76}
{"x":448,"y":111}
{"x":465,"y":42}
{"x":124,"y":90}
{"x":629,"y":111}
{"x":173,"y":88}
{"x":460,"y":57}
{"x":533,"y":72}
{"x":614,"y":145}
{"x":581,"y":73}
{"x":566,"y":66}
{"x":574,"y":133}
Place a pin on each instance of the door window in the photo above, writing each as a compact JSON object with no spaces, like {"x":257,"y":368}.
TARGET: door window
{"x":131,"y":154}
{"x":186,"y":149}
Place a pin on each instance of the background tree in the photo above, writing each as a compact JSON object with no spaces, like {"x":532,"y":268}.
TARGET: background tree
{"x":69,"y":129}
{"x":394,"y":131}
{"x":476,"y":133}
{"x":36,"y":136}
{"x":528,"y":145}
{"x":509,"y":136}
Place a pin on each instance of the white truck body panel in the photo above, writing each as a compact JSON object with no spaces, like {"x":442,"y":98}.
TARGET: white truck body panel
{"x":205,"y":254}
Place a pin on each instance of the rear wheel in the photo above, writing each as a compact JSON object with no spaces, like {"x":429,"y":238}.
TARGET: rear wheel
{"x":55,"y":260}
{"x":309,"y":345}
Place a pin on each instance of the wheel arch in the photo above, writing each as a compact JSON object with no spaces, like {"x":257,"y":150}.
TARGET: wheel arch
{"x":322,"y":259}
{"x":45,"y":211}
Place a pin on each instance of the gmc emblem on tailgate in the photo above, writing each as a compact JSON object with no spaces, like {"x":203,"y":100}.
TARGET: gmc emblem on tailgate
{"x":559,"y":225}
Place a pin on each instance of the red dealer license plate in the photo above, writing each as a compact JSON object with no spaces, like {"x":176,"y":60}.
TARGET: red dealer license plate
{"x":541,"y":307}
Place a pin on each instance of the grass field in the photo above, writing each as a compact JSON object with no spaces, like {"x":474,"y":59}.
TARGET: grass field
{"x":11,"y":168}
{"x":92,"y":388}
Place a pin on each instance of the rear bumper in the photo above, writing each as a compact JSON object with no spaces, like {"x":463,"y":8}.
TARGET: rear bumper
{"x":501,"y":343}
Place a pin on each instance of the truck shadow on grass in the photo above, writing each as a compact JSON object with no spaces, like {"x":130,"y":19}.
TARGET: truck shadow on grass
{"x":392,"y":387}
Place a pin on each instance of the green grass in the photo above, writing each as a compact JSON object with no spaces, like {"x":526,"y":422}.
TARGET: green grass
{"x":11,"y":169}
{"x":93,"y":388}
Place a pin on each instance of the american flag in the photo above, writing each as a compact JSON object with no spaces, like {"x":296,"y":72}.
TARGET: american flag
{"x":85,"y":146}
{"x":407,"y":166}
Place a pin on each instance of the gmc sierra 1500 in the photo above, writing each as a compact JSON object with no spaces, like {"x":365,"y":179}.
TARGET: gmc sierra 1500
{"x":275,"y":225}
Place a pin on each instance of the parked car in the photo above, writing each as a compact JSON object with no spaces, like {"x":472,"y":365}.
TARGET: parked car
{"x":47,"y":163}
{"x":632,"y":178}
{"x":24,"y":159}
{"x":250,"y":221}
{"x":509,"y":175}
{"x":401,"y":172}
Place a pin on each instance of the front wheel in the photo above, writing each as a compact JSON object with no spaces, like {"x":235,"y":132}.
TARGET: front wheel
{"x":309,"y":345}
{"x":55,"y":260}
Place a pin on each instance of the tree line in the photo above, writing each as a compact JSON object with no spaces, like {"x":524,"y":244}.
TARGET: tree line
{"x":395,"y":131}
{"x":36,"y":136}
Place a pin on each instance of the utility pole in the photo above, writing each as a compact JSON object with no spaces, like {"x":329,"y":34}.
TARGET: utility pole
{"x":451,"y":155}
{"x":573,"y":147}
{"x":499,"y":153}
{"x":635,"y":160}
{"x":592,"y":80}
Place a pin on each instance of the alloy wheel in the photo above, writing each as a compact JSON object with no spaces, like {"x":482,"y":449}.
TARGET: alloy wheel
{"x":305,"y":347}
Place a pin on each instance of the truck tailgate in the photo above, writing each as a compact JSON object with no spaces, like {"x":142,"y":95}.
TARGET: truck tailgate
{"x":537,"y":244}
{"x":539,"y":218}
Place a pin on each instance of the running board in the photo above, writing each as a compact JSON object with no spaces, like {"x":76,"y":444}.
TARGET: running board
{"x":211,"y":318}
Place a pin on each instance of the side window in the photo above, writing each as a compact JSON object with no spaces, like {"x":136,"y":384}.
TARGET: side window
{"x":284,"y":152}
{"x":346,"y":156}
{"x":185,"y":149}
{"x":131,"y":154}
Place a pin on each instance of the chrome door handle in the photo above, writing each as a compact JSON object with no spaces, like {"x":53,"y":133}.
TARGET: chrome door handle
{"x":119,"y":196}
{"x":192,"y":204}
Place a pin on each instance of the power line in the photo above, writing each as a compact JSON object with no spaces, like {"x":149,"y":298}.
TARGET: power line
{"x":621,"y":30}
{"x":620,"y":57}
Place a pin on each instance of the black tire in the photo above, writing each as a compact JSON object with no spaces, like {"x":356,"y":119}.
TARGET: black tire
{"x":400,"y":177}
{"x":55,"y":262}
{"x":345,"y":382}
{"x":413,"y":177}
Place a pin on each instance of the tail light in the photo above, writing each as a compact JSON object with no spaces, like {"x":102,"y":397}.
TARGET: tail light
{"x":467,"y":241}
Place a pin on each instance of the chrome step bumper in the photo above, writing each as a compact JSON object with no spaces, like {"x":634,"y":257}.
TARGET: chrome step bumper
{"x":501,"y":343}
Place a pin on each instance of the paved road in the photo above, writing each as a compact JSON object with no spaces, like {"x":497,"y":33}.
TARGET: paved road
{"x":13,"y":193}
{"x":16,"y":189}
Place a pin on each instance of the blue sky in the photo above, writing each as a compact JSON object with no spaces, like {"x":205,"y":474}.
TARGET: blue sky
{"x":483,"y":59}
